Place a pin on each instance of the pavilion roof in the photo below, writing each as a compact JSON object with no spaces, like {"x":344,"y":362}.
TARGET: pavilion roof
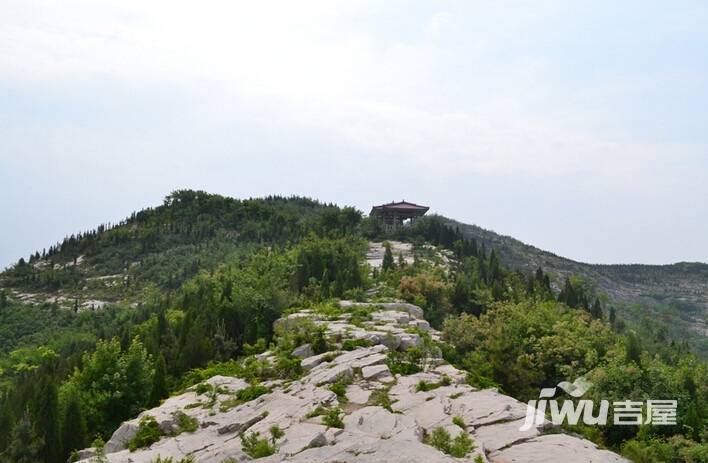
{"x":401,"y":206}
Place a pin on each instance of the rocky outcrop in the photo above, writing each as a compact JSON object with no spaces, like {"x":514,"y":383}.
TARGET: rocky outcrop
{"x":384,"y":417}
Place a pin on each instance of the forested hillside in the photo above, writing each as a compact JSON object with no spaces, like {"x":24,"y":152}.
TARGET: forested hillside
{"x":115,"y":320}
{"x":669,"y":299}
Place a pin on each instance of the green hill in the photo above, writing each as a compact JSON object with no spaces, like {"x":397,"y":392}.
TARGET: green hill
{"x":667,"y":297}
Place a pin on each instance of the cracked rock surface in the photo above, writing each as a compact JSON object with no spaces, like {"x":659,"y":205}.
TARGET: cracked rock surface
{"x":372,"y":431}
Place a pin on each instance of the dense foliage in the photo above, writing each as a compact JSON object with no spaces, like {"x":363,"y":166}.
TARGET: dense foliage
{"x":202,"y":278}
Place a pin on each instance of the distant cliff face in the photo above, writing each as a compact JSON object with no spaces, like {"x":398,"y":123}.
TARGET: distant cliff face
{"x":349,"y":407}
{"x":676,"y":294}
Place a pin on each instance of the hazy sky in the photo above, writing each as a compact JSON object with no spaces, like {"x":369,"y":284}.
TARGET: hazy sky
{"x":578,"y":126}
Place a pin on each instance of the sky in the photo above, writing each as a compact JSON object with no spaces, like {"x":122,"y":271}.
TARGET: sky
{"x":578,"y":127}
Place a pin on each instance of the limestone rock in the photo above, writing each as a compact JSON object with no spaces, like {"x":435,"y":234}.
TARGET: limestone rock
{"x":375,"y":372}
{"x":370,"y":433}
{"x":303,"y":351}
{"x":555,"y":448}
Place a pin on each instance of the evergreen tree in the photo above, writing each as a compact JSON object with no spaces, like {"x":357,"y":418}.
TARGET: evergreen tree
{"x":325,"y":287}
{"x":388,"y":257}
{"x":495,"y":272}
{"x":693,"y":422}
{"x":633,"y":350}
{"x":3,"y":299}
{"x":596,"y":310}
{"x":6,"y":420}
{"x":159,"y":381}
{"x":568,"y":295}
{"x":25,"y":446}
{"x":73,"y":426}
{"x":46,"y":418}
{"x":461,"y":294}
{"x":612,"y":316}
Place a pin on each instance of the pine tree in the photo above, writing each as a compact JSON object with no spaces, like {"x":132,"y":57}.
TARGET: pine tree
{"x":3,"y":299}
{"x":73,"y":426}
{"x":633,"y":350}
{"x":159,"y":381}
{"x":613,"y":316}
{"x":25,"y":446}
{"x":693,"y":422}
{"x":495,"y":273}
{"x":596,"y":310}
{"x":568,"y":294}
{"x":46,"y":417}
{"x":5,"y":424}
{"x":388,"y":257}
{"x":325,"y":286}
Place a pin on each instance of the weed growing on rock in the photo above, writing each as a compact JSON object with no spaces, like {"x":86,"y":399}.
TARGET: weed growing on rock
{"x":458,"y":447}
{"x":424,"y":386}
{"x":186,"y":423}
{"x":382,"y":399}
{"x":333,"y":418}
{"x":159,"y":459}
{"x":459,"y":421}
{"x":339,"y":387}
{"x":148,"y":433}
{"x":256,"y":446}
{"x":244,"y":395}
{"x":318,"y":411}
{"x":352,"y":344}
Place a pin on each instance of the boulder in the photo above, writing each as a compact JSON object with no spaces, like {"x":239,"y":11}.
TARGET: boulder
{"x":303,"y":351}
{"x":555,"y":448}
{"x":326,"y":374}
{"x":122,"y":436}
{"x":357,"y":395}
{"x":375,"y":372}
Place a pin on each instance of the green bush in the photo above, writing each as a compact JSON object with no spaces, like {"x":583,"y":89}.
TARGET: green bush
{"x":317,"y":411}
{"x":382,"y":399}
{"x":333,"y":418}
{"x":352,"y":344}
{"x":148,"y":433}
{"x":256,"y":446}
{"x":424,"y":386}
{"x":458,"y":447}
{"x":406,"y":363}
{"x":459,"y":421}
{"x":339,"y":387}
{"x":251,"y":392}
{"x":186,"y":423}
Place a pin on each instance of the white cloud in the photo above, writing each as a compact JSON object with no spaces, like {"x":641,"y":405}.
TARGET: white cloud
{"x":435,"y":96}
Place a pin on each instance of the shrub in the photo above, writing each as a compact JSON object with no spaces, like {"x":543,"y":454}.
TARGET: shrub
{"x":333,"y":418}
{"x":276,"y":433}
{"x":251,"y":392}
{"x":459,"y":421}
{"x":458,"y":447}
{"x":318,"y":411}
{"x":424,"y":386}
{"x":352,"y":344}
{"x":382,"y":399}
{"x":186,"y":423}
{"x":339,"y":387}
{"x":255,"y":446}
{"x":405,"y":363}
{"x":148,"y":433}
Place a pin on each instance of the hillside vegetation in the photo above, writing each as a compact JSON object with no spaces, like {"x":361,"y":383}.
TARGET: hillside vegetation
{"x":111,"y":322}
{"x":670,"y":300}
